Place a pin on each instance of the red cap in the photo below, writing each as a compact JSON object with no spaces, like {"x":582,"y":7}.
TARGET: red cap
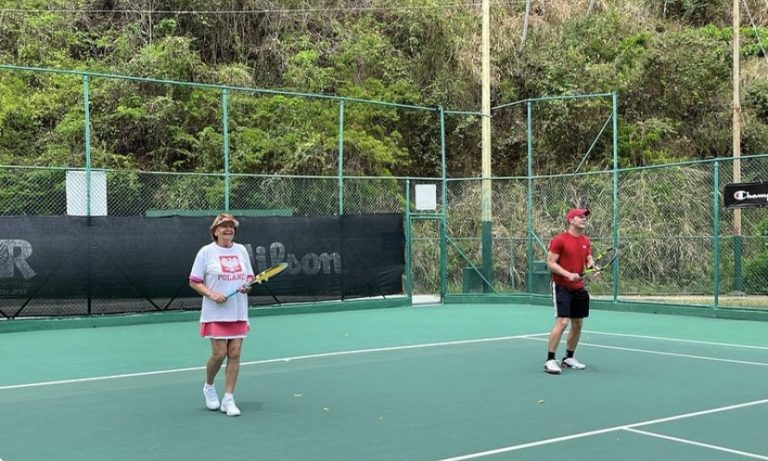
{"x":576,"y":212}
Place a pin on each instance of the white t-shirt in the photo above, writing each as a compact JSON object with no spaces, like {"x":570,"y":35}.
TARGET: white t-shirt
{"x":223,"y":270}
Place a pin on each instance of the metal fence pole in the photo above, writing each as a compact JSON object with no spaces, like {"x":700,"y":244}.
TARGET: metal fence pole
{"x":444,"y":210}
{"x":87,"y":116}
{"x":529,"y":198}
{"x":341,"y":157}
{"x":225,"y":133}
{"x":87,"y":111}
{"x":408,"y":241}
{"x":716,"y":231}
{"x":614,"y":110}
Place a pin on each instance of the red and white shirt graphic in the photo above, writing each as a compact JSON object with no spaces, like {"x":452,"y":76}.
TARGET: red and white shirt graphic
{"x":230,"y":264}
{"x":223,"y":270}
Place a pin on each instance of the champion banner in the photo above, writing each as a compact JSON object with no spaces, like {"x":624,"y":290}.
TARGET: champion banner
{"x":744,"y":195}
{"x":148,"y":260}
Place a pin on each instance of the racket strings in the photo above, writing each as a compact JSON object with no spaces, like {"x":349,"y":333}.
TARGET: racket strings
{"x":605,"y":258}
{"x":602,"y":261}
{"x":262,"y":277}
{"x":271,"y":272}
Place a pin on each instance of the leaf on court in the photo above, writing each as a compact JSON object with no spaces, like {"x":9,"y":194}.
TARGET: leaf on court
{"x":297,"y":395}
{"x":326,"y":409}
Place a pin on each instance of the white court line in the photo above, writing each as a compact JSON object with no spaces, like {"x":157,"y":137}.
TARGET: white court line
{"x":698,"y":444}
{"x":537,"y":443}
{"x":690,"y":341}
{"x":277,"y":360}
{"x":532,"y":336}
{"x":670,"y":354}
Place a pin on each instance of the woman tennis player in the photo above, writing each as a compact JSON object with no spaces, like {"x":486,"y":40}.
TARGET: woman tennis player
{"x":221,"y":267}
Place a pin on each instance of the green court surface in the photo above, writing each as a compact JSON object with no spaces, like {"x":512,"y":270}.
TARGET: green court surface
{"x":433,"y":383}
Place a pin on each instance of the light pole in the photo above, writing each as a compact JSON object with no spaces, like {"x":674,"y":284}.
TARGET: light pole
{"x":736,"y":139}
{"x":486,"y":191}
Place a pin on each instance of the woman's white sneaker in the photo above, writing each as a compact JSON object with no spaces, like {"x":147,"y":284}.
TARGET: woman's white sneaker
{"x":211,"y":399}
{"x":228,"y":406}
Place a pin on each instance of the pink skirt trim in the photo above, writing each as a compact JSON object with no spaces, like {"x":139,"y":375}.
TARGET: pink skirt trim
{"x":224,"y":330}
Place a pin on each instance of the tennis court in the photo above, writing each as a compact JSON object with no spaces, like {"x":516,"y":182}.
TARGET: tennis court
{"x":443,"y":382}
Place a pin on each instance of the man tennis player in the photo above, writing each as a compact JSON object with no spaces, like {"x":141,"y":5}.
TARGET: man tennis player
{"x":569,"y":253}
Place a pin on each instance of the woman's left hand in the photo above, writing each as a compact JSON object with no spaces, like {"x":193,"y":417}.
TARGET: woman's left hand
{"x":247,"y":287}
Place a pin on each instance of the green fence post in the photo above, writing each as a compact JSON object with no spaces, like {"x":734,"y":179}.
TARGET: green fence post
{"x":341,"y":157}
{"x":716,"y":230}
{"x":408,"y":241}
{"x":614,"y":111}
{"x":444,"y":211}
{"x":87,"y":116}
{"x":738,"y":280}
{"x":529,"y":198}
{"x":87,"y":112}
{"x":225,"y":134}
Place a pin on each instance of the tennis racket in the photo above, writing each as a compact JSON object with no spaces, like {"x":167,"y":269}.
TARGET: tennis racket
{"x":262,"y":277}
{"x":602,"y":262}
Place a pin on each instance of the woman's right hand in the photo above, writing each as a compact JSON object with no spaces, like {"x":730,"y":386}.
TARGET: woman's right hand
{"x":218,"y":298}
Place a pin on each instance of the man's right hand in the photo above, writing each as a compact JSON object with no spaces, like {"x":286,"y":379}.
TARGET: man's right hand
{"x":572,"y":277}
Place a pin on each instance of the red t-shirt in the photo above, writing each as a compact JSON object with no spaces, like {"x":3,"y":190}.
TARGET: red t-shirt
{"x":573,"y":253}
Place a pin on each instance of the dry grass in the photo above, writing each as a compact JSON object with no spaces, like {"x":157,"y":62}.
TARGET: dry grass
{"x":727,"y":301}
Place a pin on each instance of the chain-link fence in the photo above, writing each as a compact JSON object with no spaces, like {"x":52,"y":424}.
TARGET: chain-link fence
{"x":677,"y":242}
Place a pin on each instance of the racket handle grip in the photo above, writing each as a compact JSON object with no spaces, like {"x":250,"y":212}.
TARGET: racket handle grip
{"x":235,"y":292}
{"x":245,"y":285}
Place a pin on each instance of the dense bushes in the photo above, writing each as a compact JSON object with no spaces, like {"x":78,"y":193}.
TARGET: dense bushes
{"x":670,"y":67}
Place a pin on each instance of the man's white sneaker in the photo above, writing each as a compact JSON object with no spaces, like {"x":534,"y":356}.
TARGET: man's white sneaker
{"x":570,"y":362}
{"x":551,"y":367}
{"x":211,"y":399}
{"x":228,"y":406}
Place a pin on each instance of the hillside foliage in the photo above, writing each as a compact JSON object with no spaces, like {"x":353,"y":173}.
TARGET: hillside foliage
{"x":668,"y":61}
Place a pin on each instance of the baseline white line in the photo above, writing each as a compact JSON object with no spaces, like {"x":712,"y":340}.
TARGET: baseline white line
{"x":691,"y":341}
{"x":698,"y":444}
{"x":266,"y":361}
{"x":602,"y":431}
{"x":523,"y":446}
{"x":671,"y":354}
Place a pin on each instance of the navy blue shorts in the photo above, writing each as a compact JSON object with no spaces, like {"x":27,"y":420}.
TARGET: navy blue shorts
{"x":573,"y":304}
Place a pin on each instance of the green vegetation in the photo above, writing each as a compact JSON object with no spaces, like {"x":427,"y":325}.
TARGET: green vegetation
{"x":668,"y":61}
{"x":669,"y":64}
